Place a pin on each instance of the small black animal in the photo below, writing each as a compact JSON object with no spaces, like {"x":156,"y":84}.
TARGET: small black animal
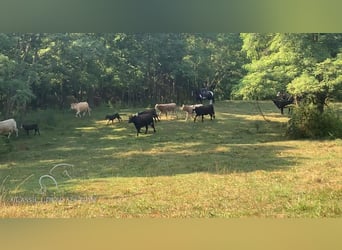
{"x":28,"y":127}
{"x":112,"y":117}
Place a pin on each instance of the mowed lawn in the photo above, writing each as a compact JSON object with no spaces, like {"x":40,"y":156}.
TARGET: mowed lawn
{"x":238,"y":165}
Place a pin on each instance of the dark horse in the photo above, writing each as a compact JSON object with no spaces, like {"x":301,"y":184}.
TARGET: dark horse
{"x":205,"y":94}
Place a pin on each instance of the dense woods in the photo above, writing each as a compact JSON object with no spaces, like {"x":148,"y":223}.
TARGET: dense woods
{"x":52,"y":70}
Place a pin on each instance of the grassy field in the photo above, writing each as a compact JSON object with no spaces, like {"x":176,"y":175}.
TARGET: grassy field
{"x":238,"y":165}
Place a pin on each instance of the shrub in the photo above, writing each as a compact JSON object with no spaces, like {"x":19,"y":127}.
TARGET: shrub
{"x":307,"y":122}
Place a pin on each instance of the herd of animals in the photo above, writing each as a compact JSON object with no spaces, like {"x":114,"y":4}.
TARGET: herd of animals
{"x":141,"y":119}
{"x":145,"y":118}
{"x":148,"y":117}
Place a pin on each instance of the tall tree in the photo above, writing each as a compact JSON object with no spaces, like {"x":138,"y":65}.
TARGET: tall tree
{"x":125,"y":68}
{"x":15,"y":89}
{"x":214,"y":61}
{"x":299,"y":63}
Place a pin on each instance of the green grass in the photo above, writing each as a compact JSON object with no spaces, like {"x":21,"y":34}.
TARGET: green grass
{"x":236,"y":166}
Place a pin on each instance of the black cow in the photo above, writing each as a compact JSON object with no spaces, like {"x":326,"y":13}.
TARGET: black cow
{"x":283,"y":102}
{"x":28,"y":127}
{"x":143,"y":120}
{"x":153,"y":112}
{"x":204,"y":110}
{"x":112,"y":117}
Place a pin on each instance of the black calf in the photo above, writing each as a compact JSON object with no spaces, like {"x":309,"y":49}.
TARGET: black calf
{"x":112,"y":117}
{"x":29,"y":127}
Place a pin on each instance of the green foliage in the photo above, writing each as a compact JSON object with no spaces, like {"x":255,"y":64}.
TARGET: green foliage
{"x":307,"y":64}
{"x":272,"y":65}
{"x":143,"y":68}
{"x":305,"y":83}
{"x":307,"y":122}
{"x":128,"y":69}
{"x":15,"y":93}
{"x":322,"y":84}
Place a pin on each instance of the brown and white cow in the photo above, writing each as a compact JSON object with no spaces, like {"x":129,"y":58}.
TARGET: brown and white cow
{"x":81,"y":107}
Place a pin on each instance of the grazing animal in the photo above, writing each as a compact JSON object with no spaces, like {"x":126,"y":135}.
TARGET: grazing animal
{"x":81,"y":107}
{"x":283,"y":101}
{"x":112,"y":117}
{"x":204,"y":110}
{"x":150,"y":111}
{"x":166,"y":107}
{"x":8,"y":126}
{"x":28,"y":127}
{"x":189,"y":109}
{"x":281,"y":104}
{"x":205,"y":94}
{"x":143,"y":120}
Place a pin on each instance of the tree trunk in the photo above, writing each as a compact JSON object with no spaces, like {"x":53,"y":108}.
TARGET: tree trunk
{"x":320,"y":101}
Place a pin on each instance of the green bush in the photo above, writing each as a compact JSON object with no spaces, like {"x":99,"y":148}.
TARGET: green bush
{"x":307,"y":122}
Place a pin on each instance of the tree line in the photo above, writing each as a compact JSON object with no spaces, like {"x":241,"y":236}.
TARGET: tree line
{"x":39,"y":70}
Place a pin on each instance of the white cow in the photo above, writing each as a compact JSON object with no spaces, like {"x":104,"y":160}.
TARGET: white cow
{"x":81,"y":107}
{"x":189,"y":109}
{"x":166,"y":107}
{"x":8,"y":126}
